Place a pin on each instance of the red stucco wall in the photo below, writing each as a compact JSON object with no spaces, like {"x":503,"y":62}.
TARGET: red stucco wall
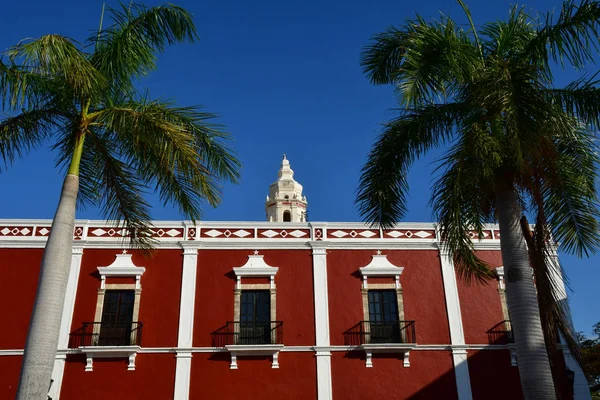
{"x":159,"y":303}
{"x":480,"y":304}
{"x":430,"y":376}
{"x":295,"y":379}
{"x":10,"y":367}
{"x":492,"y":376}
{"x":421,"y":281}
{"x":216,"y":283}
{"x":153,"y":378}
{"x":19,"y":270}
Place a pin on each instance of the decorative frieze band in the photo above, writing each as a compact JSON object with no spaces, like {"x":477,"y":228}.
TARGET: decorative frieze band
{"x":213,"y":232}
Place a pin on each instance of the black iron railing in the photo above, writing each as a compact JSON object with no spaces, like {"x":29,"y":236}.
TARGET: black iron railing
{"x":107,"y":334}
{"x":238,"y":332}
{"x":501,"y":333}
{"x":381,"y":332}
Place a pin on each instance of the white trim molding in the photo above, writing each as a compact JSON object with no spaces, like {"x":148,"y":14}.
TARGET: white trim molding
{"x":457,"y":335}
{"x":322,"y":334}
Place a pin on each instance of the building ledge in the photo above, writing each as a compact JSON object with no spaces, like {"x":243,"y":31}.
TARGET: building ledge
{"x":92,"y":352}
{"x":402,"y":348}
{"x":237,"y":350}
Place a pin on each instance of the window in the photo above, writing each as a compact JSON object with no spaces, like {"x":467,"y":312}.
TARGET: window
{"x":287,"y":216}
{"x":255,"y":317}
{"x":117,"y":318}
{"x":383,"y":316}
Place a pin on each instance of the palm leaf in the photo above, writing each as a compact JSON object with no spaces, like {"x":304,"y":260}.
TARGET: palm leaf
{"x":383,"y":185}
{"x":571,"y":37}
{"x":174,"y":149}
{"x":23,"y":132}
{"x":127,"y":49}
{"x":57,"y":57}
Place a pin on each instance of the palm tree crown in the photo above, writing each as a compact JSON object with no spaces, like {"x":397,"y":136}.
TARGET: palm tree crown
{"x":115,"y":143}
{"x":120,"y":142}
{"x":516,"y":144}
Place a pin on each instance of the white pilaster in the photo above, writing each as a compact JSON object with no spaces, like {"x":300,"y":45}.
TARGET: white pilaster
{"x":457,"y":335}
{"x":183,"y":367}
{"x":324,"y":386}
{"x":66,"y":321}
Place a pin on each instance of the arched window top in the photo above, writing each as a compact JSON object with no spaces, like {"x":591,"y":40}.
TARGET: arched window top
{"x":287,"y":216}
{"x":286,"y":197}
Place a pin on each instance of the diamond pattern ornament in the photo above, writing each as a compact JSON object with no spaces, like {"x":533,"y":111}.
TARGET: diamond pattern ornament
{"x":270,"y":233}
{"x":173,"y":232}
{"x":241,"y":233}
{"x":298,"y":233}
{"x":423,"y":234}
{"x":339,"y":234}
{"x":367,"y":234}
{"x":5,"y":231}
{"x":44,"y":231}
{"x":395,"y":234}
{"x":99,"y":232}
{"x":213,"y":233}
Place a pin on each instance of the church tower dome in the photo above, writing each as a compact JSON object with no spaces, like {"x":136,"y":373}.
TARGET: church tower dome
{"x":285,"y":202}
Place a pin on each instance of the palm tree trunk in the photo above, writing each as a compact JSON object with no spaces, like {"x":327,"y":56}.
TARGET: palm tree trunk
{"x":42,"y":340}
{"x":534,"y":366}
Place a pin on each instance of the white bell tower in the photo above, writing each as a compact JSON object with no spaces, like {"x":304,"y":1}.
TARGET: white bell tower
{"x":285,"y":202}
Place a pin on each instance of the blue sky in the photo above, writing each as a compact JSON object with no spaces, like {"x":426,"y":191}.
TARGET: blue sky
{"x":285,"y":78}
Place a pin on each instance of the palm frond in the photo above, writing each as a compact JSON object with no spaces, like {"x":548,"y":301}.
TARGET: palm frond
{"x":570,"y":200}
{"x":505,"y":39}
{"x":383,"y":186}
{"x":424,"y":61}
{"x":57,"y":57}
{"x":573,"y":36}
{"x":127,"y":49}
{"x":23,"y":132}
{"x":580,"y":99}
{"x":463,"y":198}
{"x":21,"y":88}
{"x":114,"y":186}
{"x":175,"y":149}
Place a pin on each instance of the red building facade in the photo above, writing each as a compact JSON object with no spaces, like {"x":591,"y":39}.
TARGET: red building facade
{"x":284,"y":309}
{"x":263,"y":310}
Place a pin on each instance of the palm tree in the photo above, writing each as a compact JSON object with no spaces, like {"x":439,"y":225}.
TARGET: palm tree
{"x":114,"y":143}
{"x":517,"y":145}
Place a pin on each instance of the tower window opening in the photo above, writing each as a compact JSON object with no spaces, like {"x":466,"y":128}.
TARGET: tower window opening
{"x":286,"y":197}
{"x":287,"y":216}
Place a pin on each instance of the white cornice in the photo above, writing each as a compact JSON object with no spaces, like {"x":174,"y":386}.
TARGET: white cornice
{"x":255,"y":266}
{"x":380,"y":266}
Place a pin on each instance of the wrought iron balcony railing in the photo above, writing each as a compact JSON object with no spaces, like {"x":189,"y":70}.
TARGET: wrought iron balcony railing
{"x":248,"y":333}
{"x":501,"y":333}
{"x":107,"y":334}
{"x":370,"y":332}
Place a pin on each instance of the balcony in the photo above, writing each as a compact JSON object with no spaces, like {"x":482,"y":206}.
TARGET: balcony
{"x":382,"y":337}
{"x":250,"y":339}
{"x":501,"y":333}
{"x":108,"y":340}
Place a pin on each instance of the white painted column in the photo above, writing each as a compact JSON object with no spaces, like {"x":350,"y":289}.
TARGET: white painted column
{"x":457,"y":335}
{"x":183,"y":367}
{"x":66,"y":321}
{"x":321,"y":298}
{"x":581,"y":389}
